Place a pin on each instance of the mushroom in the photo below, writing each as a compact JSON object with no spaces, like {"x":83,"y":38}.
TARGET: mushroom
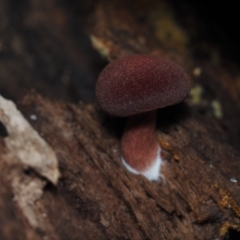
{"x":134,"y":87}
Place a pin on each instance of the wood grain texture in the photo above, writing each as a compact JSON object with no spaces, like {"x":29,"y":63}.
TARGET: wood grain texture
{"x":96,"y":198}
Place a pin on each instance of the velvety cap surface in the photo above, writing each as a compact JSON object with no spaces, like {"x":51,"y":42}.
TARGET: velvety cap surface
{"x":140,"y":83}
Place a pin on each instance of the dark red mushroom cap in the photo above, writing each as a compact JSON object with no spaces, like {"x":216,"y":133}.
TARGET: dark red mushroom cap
{"x":140,"y":83}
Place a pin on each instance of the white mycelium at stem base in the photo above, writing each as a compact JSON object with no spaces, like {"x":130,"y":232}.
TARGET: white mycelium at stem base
{"x":140,"y":147}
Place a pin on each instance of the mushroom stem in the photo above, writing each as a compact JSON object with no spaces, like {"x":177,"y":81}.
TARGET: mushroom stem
{"x":140,"y":147}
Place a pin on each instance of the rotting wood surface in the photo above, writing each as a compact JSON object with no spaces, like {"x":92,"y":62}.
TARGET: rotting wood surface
{"x":96,"y":198}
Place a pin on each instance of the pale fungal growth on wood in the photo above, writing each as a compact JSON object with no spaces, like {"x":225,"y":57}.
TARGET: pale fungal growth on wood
{"x":135,"y":87}
{"x":26,"y":150}
{"x":23,"y":141}
{"x":217,"y":109}
{"x":233,"y":180}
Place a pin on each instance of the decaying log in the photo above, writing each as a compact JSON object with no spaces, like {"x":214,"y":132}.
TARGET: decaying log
{"x":97,"y":199}
{"x":198,"y":196}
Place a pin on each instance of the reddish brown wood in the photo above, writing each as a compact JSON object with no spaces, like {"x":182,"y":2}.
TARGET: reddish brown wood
{"x":96,"y":198}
